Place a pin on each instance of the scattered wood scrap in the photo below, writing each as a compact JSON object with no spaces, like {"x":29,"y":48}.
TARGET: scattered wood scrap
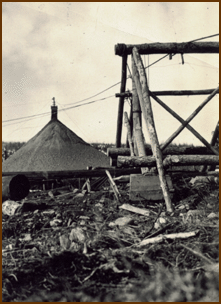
{"x":173,"y":236}
{"x":107,"y":246}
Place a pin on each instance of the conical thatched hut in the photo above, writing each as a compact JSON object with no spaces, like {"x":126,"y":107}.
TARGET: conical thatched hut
{"x":55,"y":148}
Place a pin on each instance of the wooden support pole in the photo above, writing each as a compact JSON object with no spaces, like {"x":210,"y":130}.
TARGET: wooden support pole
{"x":130,"y":120}
{"x":173,"y":93}
{"x":177,"y":132}
{"x":168,"y":48}
{"x":121,"y":101}
{"x":126,"y":121}
{"x":138,"y":134}
{"x":136,"y":112}
{"x":169,"y":160}
{"x":191,"y":129}
{"x":148,"y":115}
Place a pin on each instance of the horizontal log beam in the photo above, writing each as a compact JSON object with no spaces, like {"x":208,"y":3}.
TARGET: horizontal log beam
{"x":169,"y":160}
{"x":168,"y":48}
{"x":115,"y":152}
{"x":172,"y":93}
{"x":183,"y":160}
{"x":184,"y":92}
{"x":39,"y":177}
{"x":192,"y":173}
{"x":73,"y":174}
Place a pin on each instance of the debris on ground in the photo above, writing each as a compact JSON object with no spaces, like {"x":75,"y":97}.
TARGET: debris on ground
{"x":74,"y":245}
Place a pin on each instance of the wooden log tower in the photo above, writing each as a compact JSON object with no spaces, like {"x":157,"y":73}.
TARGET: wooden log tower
{"x":141,"y":98}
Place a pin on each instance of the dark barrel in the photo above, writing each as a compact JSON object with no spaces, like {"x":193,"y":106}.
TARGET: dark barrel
{"x":15,"y":187}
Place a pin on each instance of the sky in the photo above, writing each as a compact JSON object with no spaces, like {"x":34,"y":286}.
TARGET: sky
{"x":66,"y":50}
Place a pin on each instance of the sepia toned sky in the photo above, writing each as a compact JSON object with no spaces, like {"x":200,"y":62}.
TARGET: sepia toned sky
{"x":66,"y":50}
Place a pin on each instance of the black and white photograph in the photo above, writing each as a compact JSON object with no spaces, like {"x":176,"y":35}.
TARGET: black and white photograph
{"x":110,"y":151}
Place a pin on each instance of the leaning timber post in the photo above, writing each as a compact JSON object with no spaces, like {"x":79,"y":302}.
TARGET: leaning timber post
{"x":138,"y":134}
{"x":149,"y":120}
{"x":121,"y":101}
{"x":136,"y":111}
{"x":126,"y":121}
{"x":188,"y":120}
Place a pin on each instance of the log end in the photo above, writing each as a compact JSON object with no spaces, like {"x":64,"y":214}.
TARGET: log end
{"x":120,"y":49}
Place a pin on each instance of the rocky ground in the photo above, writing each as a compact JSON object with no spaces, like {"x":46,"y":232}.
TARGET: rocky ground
{"x":68,"y":245}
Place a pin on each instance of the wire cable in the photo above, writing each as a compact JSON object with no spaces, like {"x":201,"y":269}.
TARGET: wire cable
{"x":95,"y":94}
{"x":204,"y":38}
{"x":85,"y":98}
{"x":77,"y":126}
{"x":43,"y":114}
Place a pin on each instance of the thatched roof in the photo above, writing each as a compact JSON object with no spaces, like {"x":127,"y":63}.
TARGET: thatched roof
{"x":55,"y":148}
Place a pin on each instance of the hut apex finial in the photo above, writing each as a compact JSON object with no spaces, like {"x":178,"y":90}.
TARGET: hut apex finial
{"x":53,"y":98}
{"x":54,"y":110}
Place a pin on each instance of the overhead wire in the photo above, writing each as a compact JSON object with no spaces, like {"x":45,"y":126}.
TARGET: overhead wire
{"x":42,"y":114}
{"x":46,"y":113}
{"x":95,"y":94}
{"x":14,"y":123}
{"x":203,"y":38}
{"x":73,"y":121}
{"x":23,"y":121}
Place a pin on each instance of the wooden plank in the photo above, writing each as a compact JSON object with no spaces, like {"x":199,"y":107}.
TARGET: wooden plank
{"x":113,"y":185}
{"x":188,"y":120}
{"x":147,"y":187}
{"x":142,"y":89}
{"x":121,"y":101}
{"x":191,"y":129}
{"x":171,"y":48}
